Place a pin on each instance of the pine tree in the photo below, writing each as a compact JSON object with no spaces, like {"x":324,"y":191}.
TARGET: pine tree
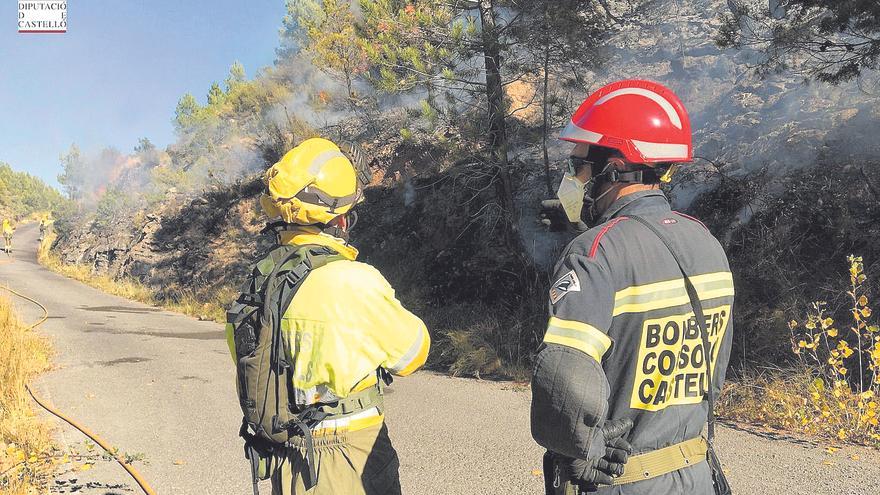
{"x":325,"y":30}
{"x":72,"y":178}
{"x":827,"y":40}
{"x":215,"y":95}
{"x":186,"y":111}
{"x":236,"y":76}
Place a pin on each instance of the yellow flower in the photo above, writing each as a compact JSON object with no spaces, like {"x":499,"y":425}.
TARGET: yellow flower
{"x":832,"y":332}
{"x":863,"y":301}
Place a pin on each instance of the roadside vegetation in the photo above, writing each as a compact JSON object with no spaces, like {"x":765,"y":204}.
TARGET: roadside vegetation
{"x":27,"y":457}
{"x":22,"y":196}
{"x":130,"y":288}
{"x":833,"y":390}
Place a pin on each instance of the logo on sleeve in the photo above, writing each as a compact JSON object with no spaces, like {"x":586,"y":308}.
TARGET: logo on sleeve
{"x":568,"y":283}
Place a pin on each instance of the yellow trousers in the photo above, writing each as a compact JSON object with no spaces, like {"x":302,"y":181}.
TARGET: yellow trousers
{"x":361,"y":462}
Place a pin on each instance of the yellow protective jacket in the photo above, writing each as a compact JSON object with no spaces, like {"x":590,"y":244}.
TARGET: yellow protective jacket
{"x":344,"y":323}
{"x":7,"y":227}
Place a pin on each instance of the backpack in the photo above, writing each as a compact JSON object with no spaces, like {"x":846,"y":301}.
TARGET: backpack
{"x":264,"y":377}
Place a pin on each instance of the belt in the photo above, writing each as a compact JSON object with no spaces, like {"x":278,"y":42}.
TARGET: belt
{"x":353,"y":422}
{"x":662,"y":461}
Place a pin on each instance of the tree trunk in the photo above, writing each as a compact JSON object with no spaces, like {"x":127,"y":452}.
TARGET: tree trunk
{"x":545,"y":127}
{"x":495,"y":100}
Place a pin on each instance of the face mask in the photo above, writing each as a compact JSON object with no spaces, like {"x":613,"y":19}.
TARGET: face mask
{"x":571,"y":194}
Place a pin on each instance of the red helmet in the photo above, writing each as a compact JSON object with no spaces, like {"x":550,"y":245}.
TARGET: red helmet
{"x":643,"y":120}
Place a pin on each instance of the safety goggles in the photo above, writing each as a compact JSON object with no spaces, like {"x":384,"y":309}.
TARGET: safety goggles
{"x":577,"y":163}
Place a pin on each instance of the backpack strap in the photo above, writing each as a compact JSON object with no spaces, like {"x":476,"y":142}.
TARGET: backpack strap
{"x":719,"y":480}
{"x":255,"y":300}
{"x":280,"y":291}
{"x":701,"y":322}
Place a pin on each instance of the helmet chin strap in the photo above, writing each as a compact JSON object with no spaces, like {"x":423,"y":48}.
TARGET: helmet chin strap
{"x":342,"y":226}
{"x":611,"y":175}
{"x":593,"y":211}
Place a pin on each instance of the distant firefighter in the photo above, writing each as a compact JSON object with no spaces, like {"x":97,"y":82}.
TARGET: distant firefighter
{"x":8,"y":230}
{"x":45,"y":221}
{"x":640,"y":325}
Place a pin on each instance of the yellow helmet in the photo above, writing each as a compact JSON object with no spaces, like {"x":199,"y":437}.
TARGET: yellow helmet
{"x":314,"y":183}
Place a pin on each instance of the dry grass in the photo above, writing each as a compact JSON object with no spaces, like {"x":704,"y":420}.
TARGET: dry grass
{"x":472,"y":340}
{"x":211,"y":310}
{"x":188,"y":303}
{"x":835,"y":389}
{"x":796,"y":400}
{"x":26,"y":451}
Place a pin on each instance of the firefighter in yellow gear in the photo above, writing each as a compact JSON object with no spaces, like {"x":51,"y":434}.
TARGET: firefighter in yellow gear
{"x":343,"y":334}
{"x":8,"y":230}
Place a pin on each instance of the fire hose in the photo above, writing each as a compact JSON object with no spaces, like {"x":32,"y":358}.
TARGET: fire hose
{"x":135,"y":474}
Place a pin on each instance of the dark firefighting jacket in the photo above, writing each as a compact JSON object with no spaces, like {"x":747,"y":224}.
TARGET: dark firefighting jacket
{"x":619,"y":298}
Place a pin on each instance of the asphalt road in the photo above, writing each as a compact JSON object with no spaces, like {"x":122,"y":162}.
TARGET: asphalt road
{"x":159,"y":385}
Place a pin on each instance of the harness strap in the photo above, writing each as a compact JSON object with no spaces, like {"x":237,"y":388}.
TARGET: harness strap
{"x":250,"y":452}
{"x":310,"y":452}
{"x":356,"y":402}
{"x":301,"y":425}
{"x":700,"y":317}
{"x":663,"y":461}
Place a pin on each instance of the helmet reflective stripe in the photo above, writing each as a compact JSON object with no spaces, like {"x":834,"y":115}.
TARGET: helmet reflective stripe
{"x":322,"y":159}
{"x":572,"y":131}
{"x":663,"y":102}
{"x":660,"y":150}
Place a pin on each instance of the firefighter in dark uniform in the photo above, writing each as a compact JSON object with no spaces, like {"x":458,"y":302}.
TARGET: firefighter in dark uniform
{"x":620,"y":382}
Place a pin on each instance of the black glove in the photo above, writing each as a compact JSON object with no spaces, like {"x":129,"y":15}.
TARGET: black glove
{"x":603,"y":470}
{"x":554,"y":217}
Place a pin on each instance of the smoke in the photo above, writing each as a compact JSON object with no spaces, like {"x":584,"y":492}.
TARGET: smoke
{"x":90,"y":174}
{"x":739,"y":119}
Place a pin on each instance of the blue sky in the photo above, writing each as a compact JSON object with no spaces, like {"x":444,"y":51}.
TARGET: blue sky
{"x":117,"y":73}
